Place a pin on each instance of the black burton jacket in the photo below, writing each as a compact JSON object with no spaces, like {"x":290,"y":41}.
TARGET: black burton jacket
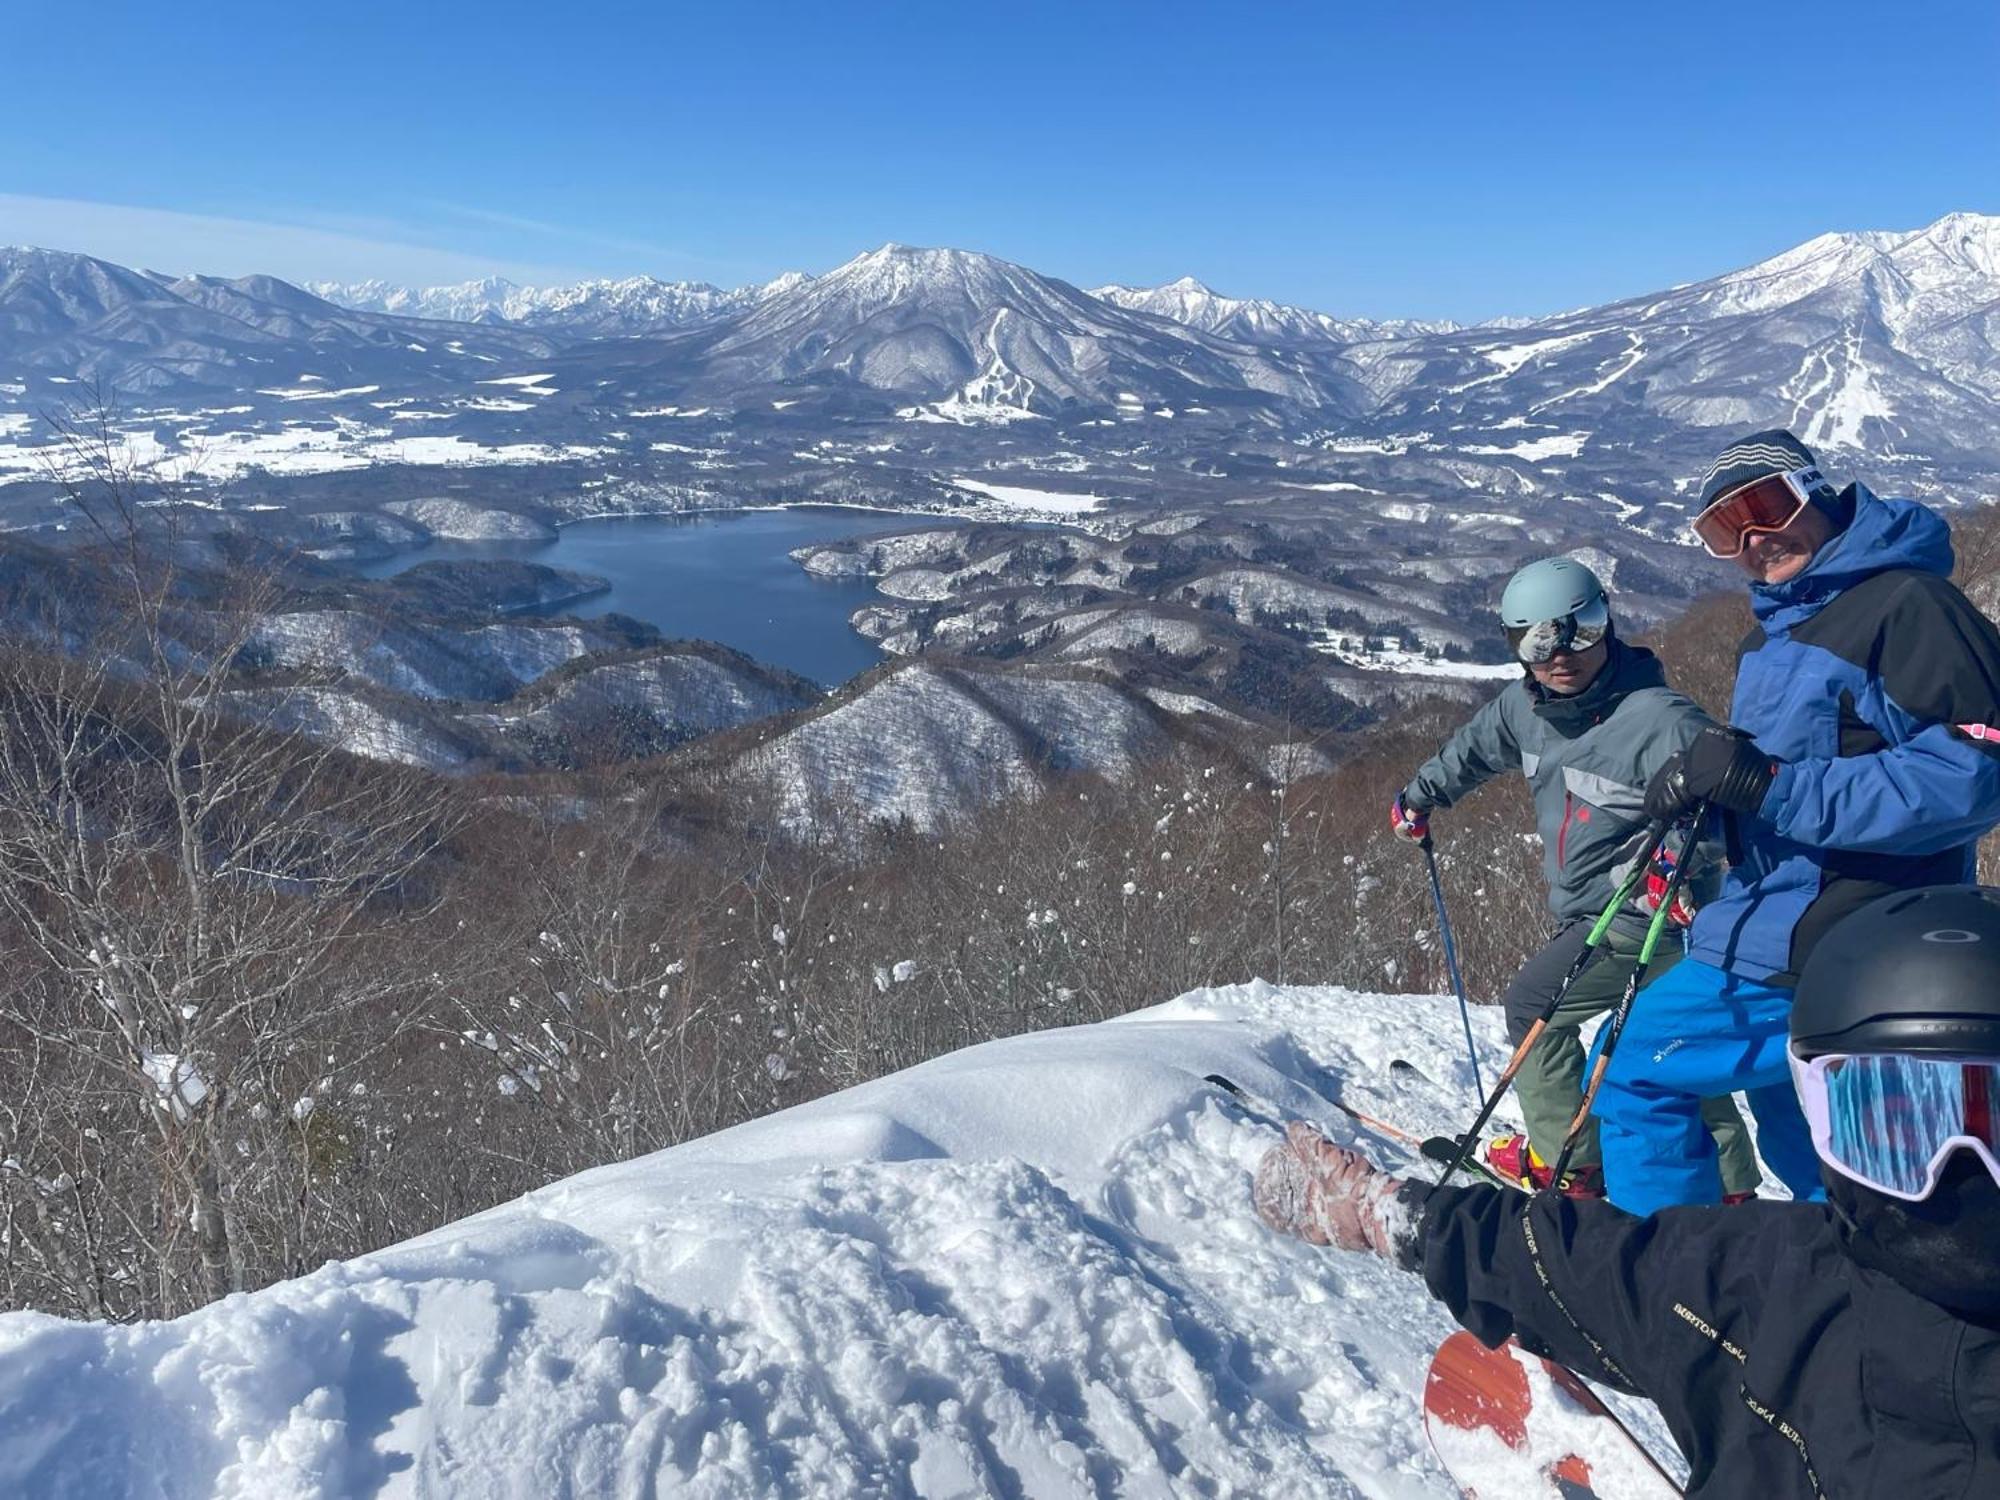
{"x":1783,"y":1367}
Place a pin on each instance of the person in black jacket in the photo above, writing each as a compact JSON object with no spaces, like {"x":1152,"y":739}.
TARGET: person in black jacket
{"x":1841,"y":1349}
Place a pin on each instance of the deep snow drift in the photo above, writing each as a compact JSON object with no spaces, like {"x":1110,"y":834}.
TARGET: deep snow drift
{"x":1027,"y":1269}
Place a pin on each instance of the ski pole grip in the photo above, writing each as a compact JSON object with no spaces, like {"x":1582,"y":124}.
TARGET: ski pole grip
{"x":1655,"y":836}
{"x":1672,"y":893}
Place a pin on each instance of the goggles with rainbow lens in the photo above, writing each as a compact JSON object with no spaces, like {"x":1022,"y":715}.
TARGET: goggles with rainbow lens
{"x":1578,"y":630}
{"x":1889,"y":1121}
{"x":1768,"y":504}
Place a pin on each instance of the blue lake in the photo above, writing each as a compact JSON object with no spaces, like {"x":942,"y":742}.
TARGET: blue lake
{"x":725,"y":577}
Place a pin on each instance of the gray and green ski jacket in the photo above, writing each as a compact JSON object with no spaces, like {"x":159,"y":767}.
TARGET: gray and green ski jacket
{"x":1587,"y":759}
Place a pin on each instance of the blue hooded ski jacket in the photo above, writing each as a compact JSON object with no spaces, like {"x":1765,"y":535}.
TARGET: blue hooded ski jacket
{"x":1873,"y":680}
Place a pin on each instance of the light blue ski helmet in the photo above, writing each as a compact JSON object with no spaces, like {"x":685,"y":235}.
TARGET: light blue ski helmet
{"x":1555,"y":604}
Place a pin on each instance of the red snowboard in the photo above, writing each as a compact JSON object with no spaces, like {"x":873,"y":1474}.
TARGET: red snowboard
{"x":1510,"y":1426}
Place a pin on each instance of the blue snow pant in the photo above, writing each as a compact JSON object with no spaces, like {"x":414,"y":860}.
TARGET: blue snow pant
{"x":1696,"y":1033}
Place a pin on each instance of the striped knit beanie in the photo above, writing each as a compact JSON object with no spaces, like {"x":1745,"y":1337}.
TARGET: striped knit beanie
{"x":1772,"y":452}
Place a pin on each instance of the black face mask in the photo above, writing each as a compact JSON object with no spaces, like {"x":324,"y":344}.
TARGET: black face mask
{"x":1946,"y":1248}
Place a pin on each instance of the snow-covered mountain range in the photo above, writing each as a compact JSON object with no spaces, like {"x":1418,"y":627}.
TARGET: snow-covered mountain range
{"x":1877,"y":344}
{"x":1028,"y":1268}
{"x":1257,"y":320}
{"x":881,"y":378}
{"x":598,"y":308}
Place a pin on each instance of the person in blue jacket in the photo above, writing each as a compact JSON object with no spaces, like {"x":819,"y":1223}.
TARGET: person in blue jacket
{"x":1864,"y":758}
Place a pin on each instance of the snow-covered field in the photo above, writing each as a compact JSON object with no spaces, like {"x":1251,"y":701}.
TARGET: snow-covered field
{"x":324,"y":448}
{"x":1411,"y":663}
{"x":1026,"y":1269}
{"x":1053,"y":501}
{"x":1557,"y":445}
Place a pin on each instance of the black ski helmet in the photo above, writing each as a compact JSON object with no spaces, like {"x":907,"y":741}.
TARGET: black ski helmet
{"x":1914,"y":971}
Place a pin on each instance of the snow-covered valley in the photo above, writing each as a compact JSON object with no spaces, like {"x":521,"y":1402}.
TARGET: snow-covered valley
{"x":1025,"y":1269}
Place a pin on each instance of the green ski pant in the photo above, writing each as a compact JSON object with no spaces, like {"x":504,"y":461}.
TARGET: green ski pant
{"x":1550,"y":1082}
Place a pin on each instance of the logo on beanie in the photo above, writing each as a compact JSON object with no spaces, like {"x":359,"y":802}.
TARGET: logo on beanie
{"x":1952,"y":935}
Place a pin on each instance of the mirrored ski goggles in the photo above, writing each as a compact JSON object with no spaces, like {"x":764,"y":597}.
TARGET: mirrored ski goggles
{"x":1577,"y":631}
{"x":1890,"y":1122}
{"x":1768,"y":504}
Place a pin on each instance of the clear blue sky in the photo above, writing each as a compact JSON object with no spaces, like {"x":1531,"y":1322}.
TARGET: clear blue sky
{"x":1458,"y":158}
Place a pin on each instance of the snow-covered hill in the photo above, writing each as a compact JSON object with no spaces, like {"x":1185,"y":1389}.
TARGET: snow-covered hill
{"x":77,"y":318}
{"x":1026,"y":1269}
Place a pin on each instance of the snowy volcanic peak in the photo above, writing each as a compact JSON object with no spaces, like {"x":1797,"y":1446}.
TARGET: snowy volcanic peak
{"x":632,"y":304}
{"x":1257,"y":320}
{"x":986,"y":338}
{"x":903,"y":274}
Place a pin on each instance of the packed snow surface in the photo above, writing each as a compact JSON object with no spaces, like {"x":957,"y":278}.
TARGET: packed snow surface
{"x":1025,"y":1269}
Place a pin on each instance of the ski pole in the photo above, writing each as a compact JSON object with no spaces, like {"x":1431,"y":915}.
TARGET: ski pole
{"x":1261,"y":1108}
{"x":1614,"y":1029}
{"x":1380,"y":1127}
{"x":1451,"y":960}
{"x":1592,"y":945}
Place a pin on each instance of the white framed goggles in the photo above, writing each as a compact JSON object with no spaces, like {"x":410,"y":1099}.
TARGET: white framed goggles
{"x":1769,"y":503}
{"x":1890,"y":1121}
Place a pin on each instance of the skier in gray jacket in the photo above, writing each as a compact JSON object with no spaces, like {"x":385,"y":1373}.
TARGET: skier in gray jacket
{"x":1588,"y":723}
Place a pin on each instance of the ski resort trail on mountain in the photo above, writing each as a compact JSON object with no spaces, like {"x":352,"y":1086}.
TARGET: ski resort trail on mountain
{"x":1025,"y":1269}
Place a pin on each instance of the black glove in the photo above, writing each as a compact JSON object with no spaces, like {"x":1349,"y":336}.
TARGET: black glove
{"x":1723,"y":767}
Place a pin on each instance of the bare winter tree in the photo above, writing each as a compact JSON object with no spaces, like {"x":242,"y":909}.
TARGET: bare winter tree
{"x":596,"y":1029}
{"x":190,"y":899}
